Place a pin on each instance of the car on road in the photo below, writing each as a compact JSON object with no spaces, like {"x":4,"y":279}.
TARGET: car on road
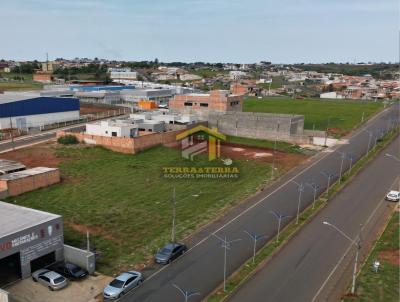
{"x":50,"y":279}
{"x":170,"y":252}
{"x":122,"y":284}
{"x":393,"y":196}
{"x":70,"y":271}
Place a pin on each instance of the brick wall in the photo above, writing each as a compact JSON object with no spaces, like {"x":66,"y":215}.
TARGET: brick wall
{"x":31,"y":182}
{"x":124,"y":144}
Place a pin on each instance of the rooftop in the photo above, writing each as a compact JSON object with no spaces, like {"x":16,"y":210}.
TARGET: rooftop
{"x":9,"y":165}
{"x":26,"y":173}
{"x":14,"y":218}
{"x":9,"y":96}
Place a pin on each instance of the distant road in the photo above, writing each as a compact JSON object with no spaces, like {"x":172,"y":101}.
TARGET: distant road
{"x":27,"y":140}
{"x":201,"y":268}
{"x":310,"y":267}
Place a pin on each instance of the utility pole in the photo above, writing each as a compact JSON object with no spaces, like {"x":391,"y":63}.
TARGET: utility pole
{"x":12,"y":133}
{"x":173,"y":235}
{"x":274,"y":158}
{"x":87,"y":241}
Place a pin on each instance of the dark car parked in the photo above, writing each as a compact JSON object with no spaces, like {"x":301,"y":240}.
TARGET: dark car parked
{"x":70,"y":271}
{"x":170,"y":252}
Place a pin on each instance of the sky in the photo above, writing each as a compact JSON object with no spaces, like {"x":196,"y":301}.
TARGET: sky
{"x":239,"y":31}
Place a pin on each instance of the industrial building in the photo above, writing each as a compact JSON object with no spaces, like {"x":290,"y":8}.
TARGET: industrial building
{"x":159,"y":96}
{"x":99,"y":97}
{"x":27,"y":110}
{"x":29,"y":240}
{"x":202,"y":104}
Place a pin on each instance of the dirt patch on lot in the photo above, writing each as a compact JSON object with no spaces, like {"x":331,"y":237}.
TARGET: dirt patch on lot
{"x":236,"y":151}
{"x":92,"y":110}
{"x":390,"y":256}
{"x":42,"y":155}
{"x":95,"y":230}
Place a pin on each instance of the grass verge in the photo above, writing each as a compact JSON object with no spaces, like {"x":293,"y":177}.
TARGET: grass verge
{"x":383,"y":285}
{"x":272,"y":247}
{"x":260,"y":143}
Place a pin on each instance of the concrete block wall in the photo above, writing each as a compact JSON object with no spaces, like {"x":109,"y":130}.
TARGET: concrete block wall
{"x":29,"y":183}
{"x":82,"y":258}
{"x":258,"y":125}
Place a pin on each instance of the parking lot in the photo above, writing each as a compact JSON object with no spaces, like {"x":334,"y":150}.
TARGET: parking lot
{"x":86,"y":290}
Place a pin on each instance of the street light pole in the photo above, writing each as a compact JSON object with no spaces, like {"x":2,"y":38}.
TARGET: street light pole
{"x":186,"y":294}
{"x":255,"y":238}
{"x":343,"y":156}
{"x":326,"y":132}
{"x":329,"y":177}
{"x":300,"y":188}
{"x":369,"y":140}
{"x":315,"y":188}
{"x":279,"y":217}
{"x":227,"y":246}
{"x":358,"y":247}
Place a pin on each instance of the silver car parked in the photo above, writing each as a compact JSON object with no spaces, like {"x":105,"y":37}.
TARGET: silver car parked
{"x":50,"y":279}
{"x":122,"y":284}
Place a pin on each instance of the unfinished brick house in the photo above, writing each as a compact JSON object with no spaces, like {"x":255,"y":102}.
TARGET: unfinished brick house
{"x":201,"y":105}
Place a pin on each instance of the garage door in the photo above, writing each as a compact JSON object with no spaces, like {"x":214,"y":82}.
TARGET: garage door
{"x":10,"y":268}
{"x":43,"y":261}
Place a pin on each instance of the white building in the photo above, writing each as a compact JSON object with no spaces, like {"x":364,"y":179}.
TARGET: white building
{"x":123,"y":75}
{"x":331,"y":95}
{"x":237,"y":75}
{"x":111,"y":128}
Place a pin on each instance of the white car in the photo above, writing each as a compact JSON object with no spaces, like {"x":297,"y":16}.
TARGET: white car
{"x":393,"y":196}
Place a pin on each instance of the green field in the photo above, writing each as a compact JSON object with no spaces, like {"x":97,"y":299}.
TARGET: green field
{"x":260,"y":143}
{"x":17,"y":85}
{"x":344,"y":115}
{"x":384,"y":285}
{"x":125,"y":201}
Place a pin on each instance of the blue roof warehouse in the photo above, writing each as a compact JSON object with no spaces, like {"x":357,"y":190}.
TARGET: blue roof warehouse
{"x":28,"y":110}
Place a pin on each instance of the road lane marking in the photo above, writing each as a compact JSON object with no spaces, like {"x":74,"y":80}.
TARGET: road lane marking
{"x":349,"y":248}
{"x":358,"y":132}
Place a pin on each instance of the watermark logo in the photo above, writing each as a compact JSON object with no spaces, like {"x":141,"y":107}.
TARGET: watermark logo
{"x":195,"y":141}
{"x":200,"y":139}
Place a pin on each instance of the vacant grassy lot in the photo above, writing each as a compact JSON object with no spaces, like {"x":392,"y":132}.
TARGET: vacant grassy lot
{"x":17,"y":85}
{"x":344,"y":115}
{"x":280,"y":146}
{"x":126,"y":203}
{"x":384,"y":285}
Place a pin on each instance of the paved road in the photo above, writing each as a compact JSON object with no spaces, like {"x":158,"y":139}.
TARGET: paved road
{"x":201,"y":269}
{"x":298,"y":273}
{"x":27,"y":140}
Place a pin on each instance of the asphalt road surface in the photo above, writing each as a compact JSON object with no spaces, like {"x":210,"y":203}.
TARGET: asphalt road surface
{"x":201,"y":268}
{"x":308,"y":267}
{"x":27,"y":140}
